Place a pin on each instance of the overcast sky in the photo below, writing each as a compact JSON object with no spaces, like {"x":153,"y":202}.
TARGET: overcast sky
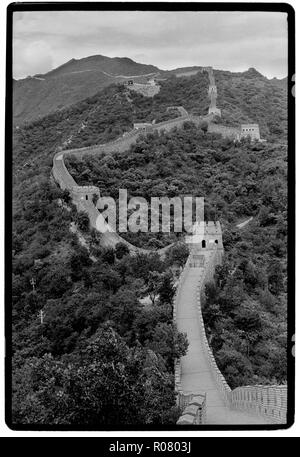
{"x":226,"y":40}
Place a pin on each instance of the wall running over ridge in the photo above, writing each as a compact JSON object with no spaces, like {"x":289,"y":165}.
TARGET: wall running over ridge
{"x":212,"y":92}
{"x":224,"y":130}
{"x":82,"y":196}
{"x":148,"y":90}
{"x":264,"y":400}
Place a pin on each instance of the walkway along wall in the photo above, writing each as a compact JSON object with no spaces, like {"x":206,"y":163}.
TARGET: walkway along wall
{"x":244,"y":405}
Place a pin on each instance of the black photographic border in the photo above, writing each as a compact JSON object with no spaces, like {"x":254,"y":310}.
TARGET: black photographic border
{"x":151,"y":6}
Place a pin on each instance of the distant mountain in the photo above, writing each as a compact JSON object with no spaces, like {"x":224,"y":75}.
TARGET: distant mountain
{"x":41,"y":94}
{"x":240,"y":95}
{"x":113,"y":66}
{"x":250,"y":97}
{"x":280,"y":82}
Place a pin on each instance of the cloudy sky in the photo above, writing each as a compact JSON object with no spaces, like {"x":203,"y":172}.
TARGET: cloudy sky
{"x":226,"y":40}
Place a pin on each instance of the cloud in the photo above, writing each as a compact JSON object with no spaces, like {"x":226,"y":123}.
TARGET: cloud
{"x":32,"y":58}
{"x":227,"y":40}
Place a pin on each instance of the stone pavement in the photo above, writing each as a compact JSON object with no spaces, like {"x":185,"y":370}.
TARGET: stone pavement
{"x":196,"y":371}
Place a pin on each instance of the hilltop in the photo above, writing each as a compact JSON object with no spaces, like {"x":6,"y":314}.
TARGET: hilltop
{"x":248,"y":97}
{"x":41,"y":94}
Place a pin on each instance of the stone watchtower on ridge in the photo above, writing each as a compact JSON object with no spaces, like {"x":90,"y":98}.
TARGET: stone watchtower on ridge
{"x":84,"y":193}
{"x":205,"y":239}
{"x":250,"y":130}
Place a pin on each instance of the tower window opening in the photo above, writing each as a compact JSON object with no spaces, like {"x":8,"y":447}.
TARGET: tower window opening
{"x":86,"y":197}
{"x":203,"y":243}
{"x":216,"y":241}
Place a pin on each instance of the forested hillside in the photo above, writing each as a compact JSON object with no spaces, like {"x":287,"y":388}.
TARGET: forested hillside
{"x":37,"y":96}
{"x":110,"y":313}
{"x":250,"y":97}
{"x":237,"y":180}
{"x":113,"y":111}
{"x":88,"y":306}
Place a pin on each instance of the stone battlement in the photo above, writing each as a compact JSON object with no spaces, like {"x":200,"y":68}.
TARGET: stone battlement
{"x":148,"y":90}
{"x":251,"y":130}
{"x":85,"y":189}
{"x":205,"y":236}
{"x":144,"y":126}
{"x":267,"y":400}
{"x":213,"y":110}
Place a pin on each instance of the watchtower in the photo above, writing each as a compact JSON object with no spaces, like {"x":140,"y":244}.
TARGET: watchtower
{"x":144,"y":126}
{"x":214,"y":110}
{"x":207,"y":234}
{"x":251,"y":130}
{"x":206,"y":238}
{"x":84,"y":193}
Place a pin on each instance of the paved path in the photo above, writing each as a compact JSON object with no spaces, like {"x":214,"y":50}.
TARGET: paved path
{"x":196,"y":372}
{"x":242,"y":224}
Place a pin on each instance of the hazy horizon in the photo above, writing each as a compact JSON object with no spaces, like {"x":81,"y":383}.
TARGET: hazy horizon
{"x":143,"y":63}
{"x":233,"y":41}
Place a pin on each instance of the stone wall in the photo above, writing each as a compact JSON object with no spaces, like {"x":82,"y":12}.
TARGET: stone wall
{"x":124,"y":142}
{"x":270,"y":401}
{"x":82,"y":197}
{"x":251,"y":130}
{"x":144,"y":126}
{"x":183,"y":275}
{"x":212,"y":93}
{"x":84,"y":193}
{"x":194,"y":412}
{"x":213,"y":259}
{"x":148,"y":90}
{"x":194,"y":416}
{"x":224,"y":130}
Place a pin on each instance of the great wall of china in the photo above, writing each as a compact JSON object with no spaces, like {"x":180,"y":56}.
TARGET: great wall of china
{"x":202,"y":392}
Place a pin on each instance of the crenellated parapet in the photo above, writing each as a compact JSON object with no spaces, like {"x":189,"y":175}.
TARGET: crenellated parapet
{"x":84,"y":193}
{"x":148,"y":90}
{"x":194,"y":412}
{"x":270,"y":401}
{"x":205,"y":235}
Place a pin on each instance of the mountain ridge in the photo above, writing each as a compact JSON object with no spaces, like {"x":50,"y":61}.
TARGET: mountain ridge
{"x":78,"y":79}
{"x":71,"y":82}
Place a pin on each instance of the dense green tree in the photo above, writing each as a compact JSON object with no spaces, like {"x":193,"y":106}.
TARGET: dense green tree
{"x":168,"y":342}
{"x":83,"y":221}
{"x":121,"y":249}
{"x":78,"y":392}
